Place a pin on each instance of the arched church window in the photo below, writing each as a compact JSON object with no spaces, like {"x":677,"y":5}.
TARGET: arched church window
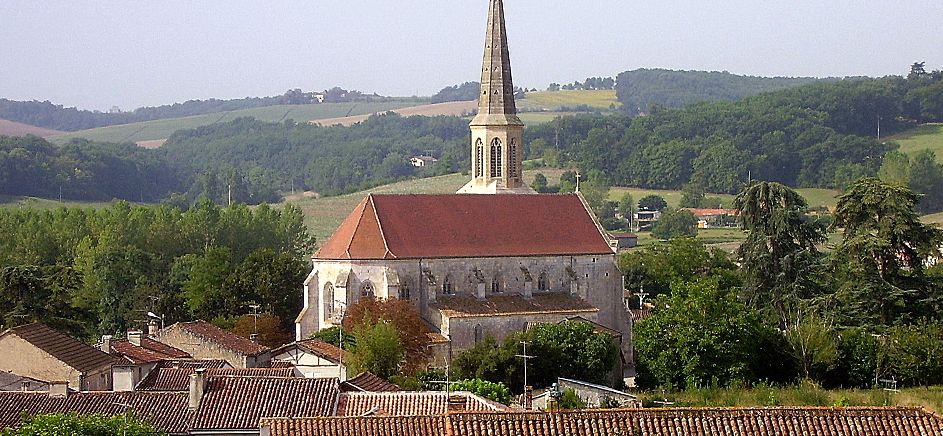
{"x":512,"y":158}
{"x":328,"y":297}
{"x":479,"y":333}
{"x":479,"y":158}
{"x":542,"y":283}
{"x":447,"y":285}
{"x":366,"y":290}
{"x":496,"y":158}
{"x":495,"y":285}
{"x":404,"y":291}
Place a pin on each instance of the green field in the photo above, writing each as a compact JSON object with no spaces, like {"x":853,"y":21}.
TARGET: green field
{"x":553,"y":100}
{"x":161,"y":129}
{"x":817,"y":198}
{"x":928,"y":136}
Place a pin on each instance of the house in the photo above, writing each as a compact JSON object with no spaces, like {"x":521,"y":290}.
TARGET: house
{"x":644,"y":219}
{"x":422,"y":161}
{"x":137,"y":355}
{"x":711,"y":218}
{"x":169,"y":412}
{"x":313,"y":358}
{"x":413,"y":403}
{"x":783,"y":421}
{"x":39,"y":352}
{"x":593,"y":395}
{"x":203,"y":340}
{"x":368,"y":382}
{"x":229,"y":405}
{"x":163,"y":379}
{"x":13,"y":382}
{"x":624,"y":240}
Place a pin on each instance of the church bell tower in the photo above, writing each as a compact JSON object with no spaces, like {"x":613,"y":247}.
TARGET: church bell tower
{"x":496,"y":130}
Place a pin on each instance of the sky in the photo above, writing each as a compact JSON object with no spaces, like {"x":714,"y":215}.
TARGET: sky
{"x":132,"y":53}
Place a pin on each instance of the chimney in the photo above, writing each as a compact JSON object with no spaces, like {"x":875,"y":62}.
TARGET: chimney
{"x":152,"y":328}
{"x":457,"y":403}
{"x":480,"y":291}
{"x":59,"y":389}
{"x":528,"y":290}
{"x":197,"y":388}
{"x":134,"y":337}
{"x":106,"y":344}
{"x":528,"y":397}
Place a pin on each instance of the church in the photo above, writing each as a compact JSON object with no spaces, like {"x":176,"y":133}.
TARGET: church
{"x":491,"y":259}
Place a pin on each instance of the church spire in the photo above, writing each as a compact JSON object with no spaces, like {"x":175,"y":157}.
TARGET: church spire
{"x":497,"y":89}
{"x":496,"y":131}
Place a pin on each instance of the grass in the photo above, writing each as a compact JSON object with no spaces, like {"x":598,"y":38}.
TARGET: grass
{"x":802,"y":394}
{"x":161,"y":129}
{"x":927,"y":136}
{"x":553,"y":100}
{"x":936,"y":218}
{"x":13,"y":202}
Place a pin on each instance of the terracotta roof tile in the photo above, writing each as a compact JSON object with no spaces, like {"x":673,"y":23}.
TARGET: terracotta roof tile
{"x":150,"y":351}
{"x":70,"y":351}
{"x":241,"y":402}
{"x":868,"y":421}
{"x":368,"y":382}
{"x":193,"y":363}
{"x":411,"y":403}
{"x":167,"y":411}
{"x":314,"y":346}
{"x":554,"y":302}
{"x":178,"y":379}
{"x":457,"y":225}
{"x":222,"y":337}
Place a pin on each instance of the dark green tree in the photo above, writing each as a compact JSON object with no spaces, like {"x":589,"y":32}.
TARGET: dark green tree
{"x":377,"y":349}
{"x":74,"y":424}
{"x":779,"y":253}
{"x":692,"y":195}
{"x":652,"y":202}
{"x":497,"y":392}
{"x":540,"y":183}
{"x":675,"y":224}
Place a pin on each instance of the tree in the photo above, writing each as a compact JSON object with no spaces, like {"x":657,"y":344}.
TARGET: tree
{"x":32,"y":294}
{"x":779,"y":252}
{"x":271,"y":280}
{"x":402,"y":316}
{"x":492,"y":361}
{"x":377,"y":349}
{"x":916,"y":353}
{"x":895,"y":168}
{"x":569,"y":400}
{"x":596,"y":193}
{"x":571,"y":349}
{"x":652,"y":202}
{"x":880,"y":260}
{"x":75,"y":424}
{"x":692,"y":195}
{"x":269,"y":328}
{"x":700,"y":336}
{"x":540,"y":183}
{"x":656,"y":266}
{"x":626,"y":207}
{"x":332,"y":335}
{"x":814,"y":345}
{"x":926,"y":177}
{"x":675,"y":224}
{"x":493,"y":391}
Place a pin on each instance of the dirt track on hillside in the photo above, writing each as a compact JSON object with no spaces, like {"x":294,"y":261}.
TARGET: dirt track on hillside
{"x":12,"y":128}
{"x":453,"y":108}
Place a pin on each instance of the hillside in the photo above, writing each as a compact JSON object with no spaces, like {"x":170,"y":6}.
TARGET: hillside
{"x":557,"y":100}
{"x":12,"y":128}
{"x":161,"y":129}
{"x":639,"y":89}
{"x":927,"y":136}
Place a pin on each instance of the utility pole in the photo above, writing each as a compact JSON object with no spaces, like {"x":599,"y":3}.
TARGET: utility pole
{"x":448,"y":373}
{"x":230,"y":194}
{"x":255,"y":316}
{"x":526,"y":357}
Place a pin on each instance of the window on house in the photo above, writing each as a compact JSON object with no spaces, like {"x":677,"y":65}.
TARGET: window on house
{"x":495,"y":285}
{"x":366,"y":290}
{"x":479,"y":159}
{"x":328,"y":300}
{"x":512,"y":158}
{"x":496,"y":158}
{"x":479,"y":333}
{"x":404,"y":291}
{"x":447,"y":285}
{"x":542,"y":284}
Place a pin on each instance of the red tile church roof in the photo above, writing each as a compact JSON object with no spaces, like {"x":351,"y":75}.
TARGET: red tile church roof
{"x":457,"y":225}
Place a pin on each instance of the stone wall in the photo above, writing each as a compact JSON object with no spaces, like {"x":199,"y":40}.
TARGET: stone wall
{"x":199,"y":348}
{"x":23,"y":358}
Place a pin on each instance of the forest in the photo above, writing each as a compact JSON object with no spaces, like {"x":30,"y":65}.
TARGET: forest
{"x":56,"y":116}
{"x":89,"y":272}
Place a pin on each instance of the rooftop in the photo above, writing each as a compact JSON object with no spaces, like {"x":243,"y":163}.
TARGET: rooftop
{"x":241,"y":402}
{"x":554,"y":302}
{"x":13,"y":382}
{"x":458,"y":225}
{"x":178,"y":379}
{"x":411,"y":403}
{"x":314,"y":346}
{"x":865,"y":421}
{"x":225,"y":339}
{"x":148,"y":352}
{"x":70,"y":351}
{"x":368,"y":382}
